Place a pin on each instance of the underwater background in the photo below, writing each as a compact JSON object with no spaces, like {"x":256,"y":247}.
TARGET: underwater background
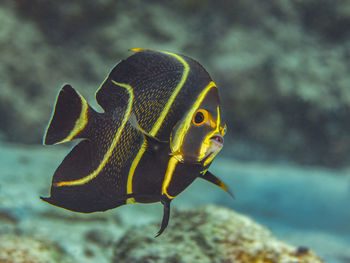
{"x":283,"y":73}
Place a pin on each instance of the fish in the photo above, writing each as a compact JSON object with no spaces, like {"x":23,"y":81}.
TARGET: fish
{"x":160,"y":129}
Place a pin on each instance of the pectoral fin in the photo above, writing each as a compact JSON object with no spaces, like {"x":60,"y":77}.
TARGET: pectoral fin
{"x":208,"y":176}
{"x":134,"y":123}
{"x":154,"y":145}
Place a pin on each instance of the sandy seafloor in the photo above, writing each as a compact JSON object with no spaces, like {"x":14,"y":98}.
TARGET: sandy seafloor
{"x":304,"y":206}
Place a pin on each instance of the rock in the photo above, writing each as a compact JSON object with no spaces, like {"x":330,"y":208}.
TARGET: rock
{"x":208,"y":234}
{"x":20,"y":249}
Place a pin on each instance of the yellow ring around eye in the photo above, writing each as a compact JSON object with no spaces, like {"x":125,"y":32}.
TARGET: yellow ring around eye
{"x":200,"y":117}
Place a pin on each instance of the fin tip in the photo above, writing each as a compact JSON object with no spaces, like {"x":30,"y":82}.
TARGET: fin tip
{"x":45,"y":199}
{"x":157,"y":235}
{"x":138,"y":49}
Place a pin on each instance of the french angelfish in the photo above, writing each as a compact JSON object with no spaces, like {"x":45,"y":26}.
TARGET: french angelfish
{"x":161,"y":129}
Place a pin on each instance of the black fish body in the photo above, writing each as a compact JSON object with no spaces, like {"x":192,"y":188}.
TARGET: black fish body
{"x":160,"y":130}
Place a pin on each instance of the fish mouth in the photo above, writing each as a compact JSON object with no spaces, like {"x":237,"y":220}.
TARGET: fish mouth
{"x":217,"y":139}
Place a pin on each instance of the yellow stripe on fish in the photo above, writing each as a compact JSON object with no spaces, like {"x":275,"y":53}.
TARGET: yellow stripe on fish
{"x":159,"y":121}
{"x":112,"y":146}
{"x":160,"y":129}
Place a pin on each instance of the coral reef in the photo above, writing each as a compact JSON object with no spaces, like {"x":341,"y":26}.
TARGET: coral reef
{"x":284,"y":198}
{"x":32,"y":70}
{"x":21,"y":249}
{"x":208,"y":234}
{"x":288,"y":79}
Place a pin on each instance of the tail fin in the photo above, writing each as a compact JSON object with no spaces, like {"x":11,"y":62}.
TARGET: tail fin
{"x":69,"y":117}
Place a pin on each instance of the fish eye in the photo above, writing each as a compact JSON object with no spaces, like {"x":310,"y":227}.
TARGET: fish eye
{"x":200,"y":117}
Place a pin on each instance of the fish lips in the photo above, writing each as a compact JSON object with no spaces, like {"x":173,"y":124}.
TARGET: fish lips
{"x":218,"y":140}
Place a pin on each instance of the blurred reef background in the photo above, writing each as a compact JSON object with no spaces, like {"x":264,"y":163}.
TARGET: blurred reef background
{"x":283,"y":67}
{"x":283,"y":71}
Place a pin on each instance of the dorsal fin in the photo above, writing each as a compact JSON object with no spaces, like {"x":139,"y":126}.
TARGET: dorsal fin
{"x":111,"y":95}
{"x":143,"y":65}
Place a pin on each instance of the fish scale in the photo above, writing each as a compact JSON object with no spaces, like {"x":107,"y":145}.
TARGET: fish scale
{"x":160,"y":130}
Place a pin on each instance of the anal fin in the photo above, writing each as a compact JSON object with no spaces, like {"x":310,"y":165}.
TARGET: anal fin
{"x":78,"y":185}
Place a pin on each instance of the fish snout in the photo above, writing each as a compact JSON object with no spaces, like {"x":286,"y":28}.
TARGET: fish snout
{"x":218,"y":139}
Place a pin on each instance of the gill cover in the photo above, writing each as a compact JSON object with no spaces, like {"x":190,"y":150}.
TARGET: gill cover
{"x":198,"y":136}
